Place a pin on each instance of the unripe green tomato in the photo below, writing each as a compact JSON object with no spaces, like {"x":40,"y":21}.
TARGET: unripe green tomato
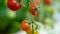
{"x":30,"y":31}
{"x":49,"y":10}
{"x":11,"y":14}
{"x":48,"y":21}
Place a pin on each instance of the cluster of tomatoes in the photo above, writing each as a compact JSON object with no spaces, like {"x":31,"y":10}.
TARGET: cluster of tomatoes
{"x":16,"y":5}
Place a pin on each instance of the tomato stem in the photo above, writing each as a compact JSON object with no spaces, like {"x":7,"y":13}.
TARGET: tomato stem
{"x":18,"y":1}
{"x":32,"y":28}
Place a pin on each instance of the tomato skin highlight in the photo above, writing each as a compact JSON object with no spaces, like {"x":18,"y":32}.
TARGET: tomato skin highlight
{"x":24,"y":25}
{"x":48,"y":2}
{"x":12,"y":4}
{"x":34,"y":12}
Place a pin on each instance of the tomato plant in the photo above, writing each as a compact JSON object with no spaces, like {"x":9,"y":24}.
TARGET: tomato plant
{"x":32,"y":9}
{"x":14,"y":4}
{"x":47,"y":2}
{"x":24,"y":25}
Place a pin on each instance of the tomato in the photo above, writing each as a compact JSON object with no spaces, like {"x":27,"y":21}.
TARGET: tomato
{"x":33,"y":12}
{"x":10,"y":14}
{"x":48,"y":2}
{"x":14,"y":5}
{"x":30,"y":31}
{"x":36,"y":2}
{"x":32,"y":7}
{"x":24,"y":25}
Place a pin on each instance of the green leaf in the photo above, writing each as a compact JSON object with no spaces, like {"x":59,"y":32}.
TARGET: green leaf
{"x":15,"y":26}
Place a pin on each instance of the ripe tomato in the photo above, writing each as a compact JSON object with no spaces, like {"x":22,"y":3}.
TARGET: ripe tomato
{"x":48,"y":2}
{"x":24,"y":25}
{"x":33,"y":12}
{"x":13,"y":5}
{"x":36,"y":2}
{"x":32,"y":7}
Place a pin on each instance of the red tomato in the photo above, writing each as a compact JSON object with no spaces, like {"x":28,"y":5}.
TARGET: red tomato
{"x":47,"y":2}
{"x":36,"y":1}
{"x":32,"y":6}
{"x":12,"y":4}
{"x":33,"y":12}
{"x":24,"y":25}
